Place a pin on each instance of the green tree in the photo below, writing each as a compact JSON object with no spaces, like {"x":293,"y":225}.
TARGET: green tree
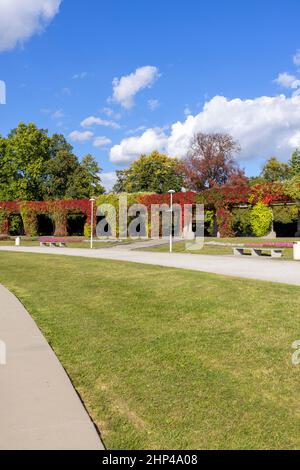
{"x":24,"y":157}
{"x":85,"y":182}
{"x":153,"y":173}
{"x":295,"y":163}
{"x":120,"y":184}
{"x":274,"y":170}
{"x":61,"y":168}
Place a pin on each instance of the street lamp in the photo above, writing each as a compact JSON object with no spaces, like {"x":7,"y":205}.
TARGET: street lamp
{"x":92,"y":200}
{"x":171,"y":192}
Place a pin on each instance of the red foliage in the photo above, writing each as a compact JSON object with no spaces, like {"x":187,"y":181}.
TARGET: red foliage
{"x":224,"y":221}
{"x":178,"y":198}
{"x":58,"y":210}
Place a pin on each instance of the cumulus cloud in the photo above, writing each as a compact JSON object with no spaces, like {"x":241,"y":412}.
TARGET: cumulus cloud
{"x":287,"y":80}
{"x":101,"y":141}
{"x":96,"y":121}
{"x":125,"y":88}
{"x":20,"y":19}
{"x":77,"y":136}
{"x":108,"y":179}
{"x":129,"y":149}
{"x":264,"y":126}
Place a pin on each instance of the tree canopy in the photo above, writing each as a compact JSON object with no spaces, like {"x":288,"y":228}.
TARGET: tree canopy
{"x":35,"y":166}
{"x":274,"y":170}
{"x":210,"y":161}
{"x":156,"y":173}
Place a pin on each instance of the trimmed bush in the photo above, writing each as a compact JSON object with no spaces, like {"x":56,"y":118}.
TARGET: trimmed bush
{"x":261,"y":219}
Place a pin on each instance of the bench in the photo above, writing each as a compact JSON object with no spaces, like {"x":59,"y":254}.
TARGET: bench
{"x":258,"y":251}
{"x":52,"y":242}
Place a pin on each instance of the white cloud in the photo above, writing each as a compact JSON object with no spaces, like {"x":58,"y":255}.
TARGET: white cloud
{"x":153,"y":104}
{"x":101,"y":141}
{"x":296,"y":58}
{"x":20,"y":19}
{"x":264,"y":126}
{"x":287,"y":80}
{"x":131,"y":148}
{"x":108,"y":179}
{"x":78,"y":136}
{"x":187,"y":111}
{"x":125,"y":88}
{"x":95,"y":121}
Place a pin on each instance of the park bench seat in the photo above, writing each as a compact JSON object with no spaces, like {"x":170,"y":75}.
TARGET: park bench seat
{"x":258,"y":251}
{"x":52,"y":242}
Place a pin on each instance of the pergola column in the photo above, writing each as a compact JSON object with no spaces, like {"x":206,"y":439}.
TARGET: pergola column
{"x":297,"y":234}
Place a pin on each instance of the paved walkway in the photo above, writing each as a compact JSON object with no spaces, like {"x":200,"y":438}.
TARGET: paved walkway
{"x":39,"y":408}
{"x":264,"y":269}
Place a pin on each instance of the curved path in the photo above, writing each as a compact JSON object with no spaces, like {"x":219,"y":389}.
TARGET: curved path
{"x":263,"y":269}
{"x":39,"y":408}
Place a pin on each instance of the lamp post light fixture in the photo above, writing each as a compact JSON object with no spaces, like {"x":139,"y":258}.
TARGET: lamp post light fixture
{"x":92,"y":201}
{"x":171,"y":192}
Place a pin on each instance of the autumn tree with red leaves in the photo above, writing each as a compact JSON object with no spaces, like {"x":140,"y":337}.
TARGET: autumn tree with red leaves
{"x":210,"y":162}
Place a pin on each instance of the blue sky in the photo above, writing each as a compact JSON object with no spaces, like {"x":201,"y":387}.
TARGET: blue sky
{"x":186,"y":65}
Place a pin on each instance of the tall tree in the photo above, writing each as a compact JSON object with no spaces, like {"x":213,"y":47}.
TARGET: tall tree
{"x":210,"y":161}
{"x":274,"y":170}
{"x":295,"y":163}
{"x":34,"y":166}
{"x":23,"y":163}
{"x":85,"y":182}
{"x":150,"y":173}
{"x":60,"y":169}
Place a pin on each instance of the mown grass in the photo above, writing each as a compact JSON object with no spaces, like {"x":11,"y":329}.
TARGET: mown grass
{"x":165,"y":358}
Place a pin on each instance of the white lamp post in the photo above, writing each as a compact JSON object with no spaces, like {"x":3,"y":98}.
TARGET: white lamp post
{"x":171,"y":192}
{"x":92,"y":200}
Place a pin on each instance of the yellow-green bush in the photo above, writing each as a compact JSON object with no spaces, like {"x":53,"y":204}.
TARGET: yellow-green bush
{"x":261,"y":219}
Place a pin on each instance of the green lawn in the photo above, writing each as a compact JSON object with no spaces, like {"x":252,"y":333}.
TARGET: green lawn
{"x":180,"y":247}
{"x":166,"y":358}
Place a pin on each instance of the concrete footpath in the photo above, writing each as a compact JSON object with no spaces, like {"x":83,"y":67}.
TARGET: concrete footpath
{"x":263,"y":269}
{"x":39,"y":408}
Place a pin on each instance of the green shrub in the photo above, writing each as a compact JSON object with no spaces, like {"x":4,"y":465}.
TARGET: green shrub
{"x":209,"y":222}
{"x":242,"y":221}
{"x":261,"y":219}
{"x":15,"y":225}
{"x":87,"y":231}
{"x":285,"y":214}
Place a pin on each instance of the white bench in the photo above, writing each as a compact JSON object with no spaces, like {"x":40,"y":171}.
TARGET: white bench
{"x":52,"y":242}
{"x":259,"y":251}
